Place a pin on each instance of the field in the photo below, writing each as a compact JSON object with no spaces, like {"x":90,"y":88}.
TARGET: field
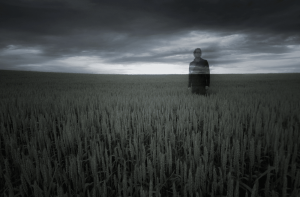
{"x":146,"y":135}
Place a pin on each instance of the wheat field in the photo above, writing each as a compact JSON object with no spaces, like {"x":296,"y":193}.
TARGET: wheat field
{"x":146,"y":135}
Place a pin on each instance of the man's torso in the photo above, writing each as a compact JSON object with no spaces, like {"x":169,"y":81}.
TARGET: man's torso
{"x":200,"y":67}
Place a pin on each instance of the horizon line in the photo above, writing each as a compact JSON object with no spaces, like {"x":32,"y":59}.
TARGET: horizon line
{"x":143,"y":74}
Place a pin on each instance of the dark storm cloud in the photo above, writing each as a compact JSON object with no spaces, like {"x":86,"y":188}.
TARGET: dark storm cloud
{"x":128,"y":31}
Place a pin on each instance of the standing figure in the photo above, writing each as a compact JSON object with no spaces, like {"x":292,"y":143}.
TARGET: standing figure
{"x":199,"y":74}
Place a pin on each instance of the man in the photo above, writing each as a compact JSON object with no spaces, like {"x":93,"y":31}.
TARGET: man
{"x":199,"y":74}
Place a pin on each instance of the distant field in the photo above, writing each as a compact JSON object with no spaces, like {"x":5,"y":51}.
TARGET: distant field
{"x":146,"y":135}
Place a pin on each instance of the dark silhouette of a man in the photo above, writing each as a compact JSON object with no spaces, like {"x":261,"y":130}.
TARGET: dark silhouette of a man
{"x":199,"y":74}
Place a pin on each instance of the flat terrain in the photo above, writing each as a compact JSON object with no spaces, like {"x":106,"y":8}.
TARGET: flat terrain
{"x":147,"y":135}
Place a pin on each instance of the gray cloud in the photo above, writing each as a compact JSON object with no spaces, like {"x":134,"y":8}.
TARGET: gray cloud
{"x":129,"y":32}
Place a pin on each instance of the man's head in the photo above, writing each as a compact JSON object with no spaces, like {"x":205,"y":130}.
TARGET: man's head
{"x":197,"y":53}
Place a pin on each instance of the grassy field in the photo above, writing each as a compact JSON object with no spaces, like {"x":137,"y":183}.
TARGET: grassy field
{"x":146,"y":135}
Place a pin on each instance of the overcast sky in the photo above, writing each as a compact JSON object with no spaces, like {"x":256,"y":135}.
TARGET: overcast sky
{"x":149,"y":36}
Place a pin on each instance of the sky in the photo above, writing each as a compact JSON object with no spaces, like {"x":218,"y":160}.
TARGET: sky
{"x":149,"y":36}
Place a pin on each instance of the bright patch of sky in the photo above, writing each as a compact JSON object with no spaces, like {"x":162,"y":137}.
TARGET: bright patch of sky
{"x":18,"y":50}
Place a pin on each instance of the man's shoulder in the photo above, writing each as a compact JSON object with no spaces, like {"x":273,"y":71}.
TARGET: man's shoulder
{"x":205,"y":62}
{"x":201,"y":60}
